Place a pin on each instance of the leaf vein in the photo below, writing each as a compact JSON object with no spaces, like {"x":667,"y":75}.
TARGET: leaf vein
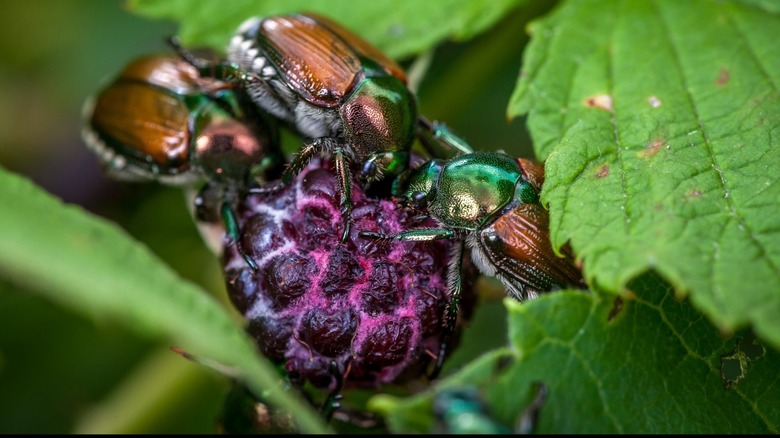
{"x":751,"y":50}
{"x":668,"y":31}
{"x":616,"y":130}
{"x":692,"y":353}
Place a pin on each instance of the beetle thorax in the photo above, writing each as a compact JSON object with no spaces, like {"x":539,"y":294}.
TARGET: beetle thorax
{"x":460,"y":212}
{"x":378,"y":117}
{"x":468,"y":203}
{"x":472,"y":190}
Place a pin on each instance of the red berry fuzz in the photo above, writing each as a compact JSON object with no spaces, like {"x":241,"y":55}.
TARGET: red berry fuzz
{"x":374,"y":308}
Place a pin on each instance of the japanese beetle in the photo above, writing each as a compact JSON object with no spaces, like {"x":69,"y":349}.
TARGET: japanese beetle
{"x":333,"y":88}
{"x":489,"y":202}
{"x":461,"y":410}
{"x":160,"y":120}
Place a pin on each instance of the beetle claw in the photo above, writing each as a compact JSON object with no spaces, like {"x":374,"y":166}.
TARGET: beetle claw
{"x":266,"y":190}
{"x":375,"y":236}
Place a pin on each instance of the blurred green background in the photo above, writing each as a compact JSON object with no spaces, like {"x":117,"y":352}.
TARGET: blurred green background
{"x":62,"y":372}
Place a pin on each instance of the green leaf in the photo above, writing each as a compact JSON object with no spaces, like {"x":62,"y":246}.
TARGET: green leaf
{"x":658,"y":121}
{"x":399,"y":28}
{"x":651,"y":365}
{"x":96,"y":268}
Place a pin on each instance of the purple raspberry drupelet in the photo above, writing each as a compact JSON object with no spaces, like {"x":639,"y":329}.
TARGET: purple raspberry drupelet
{"x":374,"y":309}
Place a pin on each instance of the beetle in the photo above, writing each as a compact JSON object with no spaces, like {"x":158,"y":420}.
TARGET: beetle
{"x":489,"y":203}
{"x":462,"y":410}
{"x":333,"y":88}
{"x":159,"y":120}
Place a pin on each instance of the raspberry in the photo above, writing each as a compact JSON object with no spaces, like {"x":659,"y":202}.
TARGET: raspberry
{"x":375,"y":308}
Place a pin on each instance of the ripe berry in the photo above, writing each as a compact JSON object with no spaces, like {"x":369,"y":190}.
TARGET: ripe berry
{"x":373,"y":308}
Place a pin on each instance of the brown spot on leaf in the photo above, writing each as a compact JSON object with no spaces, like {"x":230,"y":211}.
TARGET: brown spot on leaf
{"x":603,"y":171}
{"x":693,"y":193}
{"x":723,"y":77}
{"x":652,"y":148}
{"x":600,"y":101}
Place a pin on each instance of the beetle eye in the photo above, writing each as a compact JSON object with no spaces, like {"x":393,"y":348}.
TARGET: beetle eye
{"x":419,"y":200}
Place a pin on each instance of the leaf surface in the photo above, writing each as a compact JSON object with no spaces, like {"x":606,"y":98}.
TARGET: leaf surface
{"x":399,"y":28}
{"x":650,"y":365}
{"x":659,"y":124}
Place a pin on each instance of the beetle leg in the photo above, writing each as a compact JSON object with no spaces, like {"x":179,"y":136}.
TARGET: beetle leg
{"x":225,"y":72}
{"x":207,"y":203}
{"x":439,"y":141}
{"x":296,"y":166}
{"x":415,"y":235}
{"x":233,"y":231}
{"x":454,"y":284}
{"x":303,"y":158}
{"x":379,"y":165}
{"x":185,"y":54}
{"x":332,"y":401}
{"x":445,"y":337}
{"x":455,"y":287}
{"x":526,"y":424}
{"x":345,"y":187}
{"x":371,"y":171}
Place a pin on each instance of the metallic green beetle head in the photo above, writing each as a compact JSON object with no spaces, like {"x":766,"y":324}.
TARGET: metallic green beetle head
{"x":417,"y":187}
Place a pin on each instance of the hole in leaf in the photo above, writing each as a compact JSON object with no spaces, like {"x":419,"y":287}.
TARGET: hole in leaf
{"x":734,"y":366}
{"x":751,"y":346}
